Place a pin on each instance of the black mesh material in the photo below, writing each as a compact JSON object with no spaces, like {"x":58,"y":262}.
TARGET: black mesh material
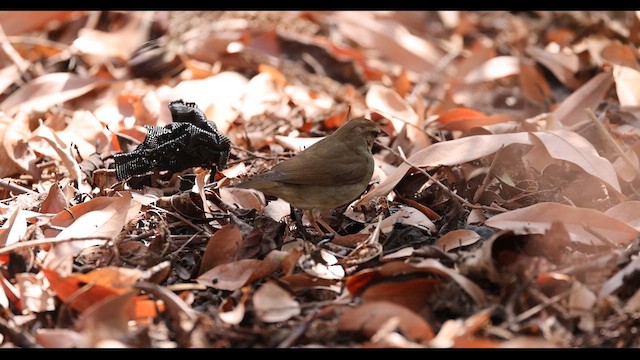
{"x":191,"y":140}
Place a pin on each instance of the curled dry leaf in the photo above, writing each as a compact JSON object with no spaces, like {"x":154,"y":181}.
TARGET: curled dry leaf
{"x":627,"y":212}
{"x":369,"y":317}
{"x":274,"y":304}
{"x":34,"y":293}
{"x":105,"y":282}
{"x":457,"y":238}
{"x":222,"y":248}
{"x":108,"y":318}
{"x":217,"y":96}
{"x":230,"y":314}
{"x":243,"y":198}
{"x":571,"y":110}
{"x":55,"y":201}
{"x":466,"y":119}
{"x":562,"y":65}
{"x":16,"y":154}
{"x":99,"y":217}
{"x":47,"y":90}
{"x":60,"y":338}
{"x":390,"y":38}
{"x":587,"y":226}
{"x":627,"y":85}
{"x":231,"y":276}
{"x":412,"y":294}
{"x":325,"y":269}
{"x":14,"y":229}
{"x":390,"y":104}
{"x":495,"y":68}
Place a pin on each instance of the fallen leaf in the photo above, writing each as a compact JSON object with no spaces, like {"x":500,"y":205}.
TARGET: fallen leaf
{"x":19,"y":22}
{"x":60,"y":338}
{"x":392,"y":39}
{"x":495,"y":68}
{"x":562,"y":65}
{"x":581,"y":223}
{"x":571,"y":110}
{"x":274,"y":304}
{"x":412,"y":293}
{"x":55,"y":201}
{"x":456,"y":239}
{"x":627,"y":212}
{"x":222,"y":248}
{"x":230,"y":276}
{"x":47,"y":90}
{"x":367,"y":319}
{"x":627,"y":85}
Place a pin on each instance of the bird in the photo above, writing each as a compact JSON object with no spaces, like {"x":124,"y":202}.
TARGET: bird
{"x":328,"y":174}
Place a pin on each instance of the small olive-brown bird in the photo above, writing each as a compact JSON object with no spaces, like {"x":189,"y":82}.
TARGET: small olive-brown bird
{"x":326,"y":175}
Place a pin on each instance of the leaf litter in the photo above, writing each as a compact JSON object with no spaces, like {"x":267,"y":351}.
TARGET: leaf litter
{"x":502,"y":211}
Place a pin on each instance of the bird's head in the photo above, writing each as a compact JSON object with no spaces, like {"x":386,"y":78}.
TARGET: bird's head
{"x":359,"y":129}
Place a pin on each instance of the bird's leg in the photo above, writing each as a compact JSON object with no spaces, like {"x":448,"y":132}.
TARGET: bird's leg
{"x":312,"y":219}
{"x":297,"y":218}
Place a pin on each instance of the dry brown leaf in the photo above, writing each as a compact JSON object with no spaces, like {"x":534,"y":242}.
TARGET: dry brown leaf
{"x":223,"y":247}
{"x":571,"y":110}
{"x":620,"y":54}
{"x":412,"y":294}
{"x":390,"y":38}
{"x":476,"y":293}
{"x":495,"y":68}
{"x":47,"y":90}
{"x":582,"y":224}
{"x":104,"y":282}
{"x":243,"y":198}
{"x":55,"y":201}
{"x":19,"y":22}
{"x":562,"y":65}
{"x":369,"y":317}
{"x":627,"y":85}
{"x":391,"y":105}
{"x":217,"y":96}
{"x":627,"y":212}
{"x":108,"y":319}
{"x":231,"y":276}
{"x":8,"y":76}
{"x":569,"y":146}
{"x":457,"y":238}
{"x":626,"y":171}
{"x":60,"y":338}
{"x":14,"y":229}
{"x":274,"y":304}
{"x":231,"y":314}
{"x":534,"y":86}
{"x":100,"y":217}
{"x":120,"y":43}
{"x":464,"y":119}
{"x":16,"y":153}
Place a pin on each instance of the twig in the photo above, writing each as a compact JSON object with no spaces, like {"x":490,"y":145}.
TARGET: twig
{"x":11,"y":52}
{"x":19,"y":337}
{"x":181,"y":218}
{"x":603,"y":131}
{"x":488,"y":177}
{"x":31,"y":243}
{"x":536,"y":309}
{"x":17,"y":188}
{"x":462,"y":200}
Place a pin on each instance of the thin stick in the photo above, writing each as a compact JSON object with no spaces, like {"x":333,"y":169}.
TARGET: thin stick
{"x":603,"y":131}
{"x":488,"y":177}
{"x":32,"y":243}
{"x":17,"y":188}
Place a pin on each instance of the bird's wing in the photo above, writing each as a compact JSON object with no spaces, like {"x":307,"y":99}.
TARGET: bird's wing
{"x":320,"y":168}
